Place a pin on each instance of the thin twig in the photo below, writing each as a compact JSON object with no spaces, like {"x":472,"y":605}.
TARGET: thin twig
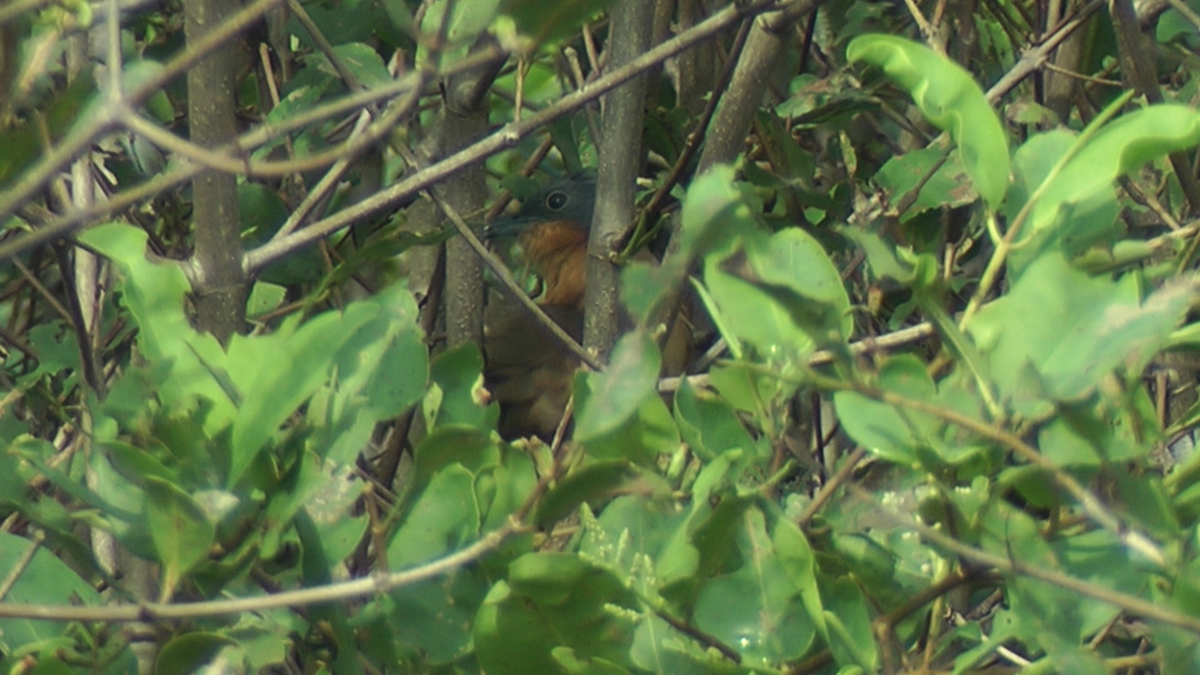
{"x":507,"y":137}
{"x":1132,"y":604}
{"x":335,"y":592}
{"x":824,"y":356}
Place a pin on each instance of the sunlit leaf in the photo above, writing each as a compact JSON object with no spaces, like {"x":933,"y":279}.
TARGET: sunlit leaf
{"x":950,"y":99}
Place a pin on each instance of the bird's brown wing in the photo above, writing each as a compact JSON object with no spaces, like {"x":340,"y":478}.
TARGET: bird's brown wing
{"x":528,"y":370}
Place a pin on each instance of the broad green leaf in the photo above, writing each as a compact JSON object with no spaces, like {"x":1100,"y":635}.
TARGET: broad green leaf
{"x":154,"y":293}
{"x":138,"y":463}
{"x":474,"y":449}
{"x":619,"y":391}
{"x":881,"y":255}
{"x":756,"y":607}
{"x":444,"y":518}
{"x":708,"y":424}
{"x":1089,"y":326}
{"x":851,"y":639}
{"x":950,"y":99}
{"x":363,"y":62}
{"x":508,"y":486}
{"x":640,"y":438}
{"x":681,"y":558}
{"x":751,"y":316}
{"x":330,"y":500}
{"x":595,"y":482}
{"x":644,"y":523}
{"x":458,"y":372}
{"x":799,"y":563}
{"x":435,"y":617}
{"x":315,"y":569}
{"x":279,"y":372}
{"x":1119,"y":147}
{"x":792,"y":260}
{"x":22,"y":144}
{"x":569,"y":662}
{"x":949,"y":186}
{"x":468,"y":20}
{"x":713,"y":212}
{"x":553,"y":600}
{"x":199,"y":652}
{"x":659,"y":648}
{"x":533,"y":19}
{"x":45,"y":580}
{"x":56,"y":346}
{"x":644,"y":284}
{"x":894,"y":434}
{"x":181,"y":531}
{"x":383,"y":367}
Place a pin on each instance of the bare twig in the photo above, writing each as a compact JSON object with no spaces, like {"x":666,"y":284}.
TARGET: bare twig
{"x":345,"y":590}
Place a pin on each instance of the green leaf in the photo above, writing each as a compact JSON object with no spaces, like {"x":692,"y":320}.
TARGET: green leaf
{"x":474,"y":449}
{"x":708,"y":424}
{"x":458,"y":372}
{"x":793,"y":261}
{"x":594,"y":482}
{"x":757,"y":607}
{"x":435,"y":617}
{"x":658,"y":648}
{"x":750,"y":315}
{"x":22,"y":144}
{"x":949,"y":186}
{"x":881,"y":255}
{"x":181,"y":531}
{"x":1098,"y":325}
{"x":551,"y":600}
{"x":279,"y":372}
{"x":617,"y":393}
{"x":547,"y":24}
{"x":383,"y":366}
{"x":56,"y":346}
{"x":45,"y":580}
{"x":444,"y":518}
{"x":263,"y":213}
{"x":640,"y":438}
{"x":154,"y":293}
{"x":949,"y":98}
{"x":799,"y":563}
{"x":1119,"y":147}
{"x":644,"y":284}
{"x":894,"y":434}
{"x":713,"y":213}
{"x":851,"y":639}
{"x":198,"y":652}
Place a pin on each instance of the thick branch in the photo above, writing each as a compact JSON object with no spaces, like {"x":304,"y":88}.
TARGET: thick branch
{"x":220,"y":285}
{"x":620,"y":156}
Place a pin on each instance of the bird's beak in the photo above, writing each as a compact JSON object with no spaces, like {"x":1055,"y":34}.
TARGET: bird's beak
{"x":506,"y":226}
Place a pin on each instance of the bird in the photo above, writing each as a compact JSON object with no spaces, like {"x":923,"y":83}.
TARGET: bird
{"x":528,"y":370}
{"x":552,"y":227}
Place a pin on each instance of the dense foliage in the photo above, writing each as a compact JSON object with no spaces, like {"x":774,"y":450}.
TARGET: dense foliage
{"x":941,"y":391}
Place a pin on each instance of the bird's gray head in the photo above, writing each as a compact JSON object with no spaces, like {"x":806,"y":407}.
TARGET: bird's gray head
{"x":567,"y":199}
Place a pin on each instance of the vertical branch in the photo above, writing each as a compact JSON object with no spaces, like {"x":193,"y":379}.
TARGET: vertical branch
{"x":1059,"y":87}
{"x":620,"y":154}
{"x":764,"y":47}
{"x":697,"y":67}
{"x":463,"y":121}
{"x":220,"y":289}
{"x":1139,"y":70}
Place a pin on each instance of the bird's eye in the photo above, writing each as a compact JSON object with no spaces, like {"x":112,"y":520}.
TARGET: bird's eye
{"x":555,"y":201}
